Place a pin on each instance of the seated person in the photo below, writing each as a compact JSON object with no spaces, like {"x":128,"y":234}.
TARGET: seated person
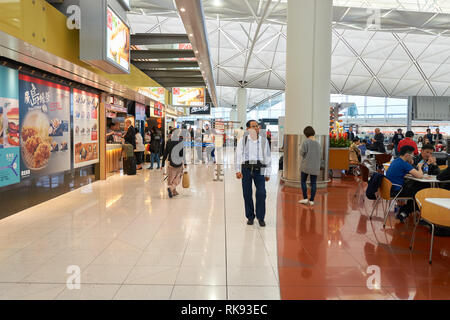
{"x":429,"y":162}
{"x":396,"y":173}
{"x":363,"y":147}
{"x":355,"y":153}
{"x":408,"y":141}
{"x":444,"y":175}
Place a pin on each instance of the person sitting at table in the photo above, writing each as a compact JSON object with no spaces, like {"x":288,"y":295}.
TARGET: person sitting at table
{"x":355,"y":153}
{"x":430,"y":166}
{"x":396,"y":173}
{"x":444,"y":175}
{"x":363,"y":147}
{"x":378,"y":141}
{"x":408,"y":141}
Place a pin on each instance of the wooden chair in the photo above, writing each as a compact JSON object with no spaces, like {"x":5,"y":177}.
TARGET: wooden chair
{"x":382,"y":159}
{"x":364,"y":171}
{"x":384,"y":193}
{"x":443,"y":167}
{"x":431,"y":213}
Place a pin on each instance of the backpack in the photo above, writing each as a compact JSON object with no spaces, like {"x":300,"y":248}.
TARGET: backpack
{"x":373,"y":185}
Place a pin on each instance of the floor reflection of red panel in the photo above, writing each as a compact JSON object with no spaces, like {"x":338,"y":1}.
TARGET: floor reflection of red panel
{"x":330,"y":250}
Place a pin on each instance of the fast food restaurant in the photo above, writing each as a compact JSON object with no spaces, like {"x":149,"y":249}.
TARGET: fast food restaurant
{"x":55,"y":108}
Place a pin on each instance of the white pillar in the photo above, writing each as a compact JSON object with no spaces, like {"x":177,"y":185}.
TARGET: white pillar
{"x":242,"y":106}
{"x":308,"y":72}
{"x":308,"y":65}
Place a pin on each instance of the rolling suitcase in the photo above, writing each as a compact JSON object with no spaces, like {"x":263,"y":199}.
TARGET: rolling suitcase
{"x":129,"y":166}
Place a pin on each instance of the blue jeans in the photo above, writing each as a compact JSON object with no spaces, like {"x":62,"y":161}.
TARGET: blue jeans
{"x":249,"y":176}
{"x":154,"y":157}
{"x":313,"y":180}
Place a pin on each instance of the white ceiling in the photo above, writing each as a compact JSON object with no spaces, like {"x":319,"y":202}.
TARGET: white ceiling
{"x":409,"y":56}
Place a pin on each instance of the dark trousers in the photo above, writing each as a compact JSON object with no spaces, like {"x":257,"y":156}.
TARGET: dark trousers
{"x":249,"y":176}
{"x":410,"y":188}
{"x":154,"y":157}
{"x":139,"y":155}
{"x":313,"y":180}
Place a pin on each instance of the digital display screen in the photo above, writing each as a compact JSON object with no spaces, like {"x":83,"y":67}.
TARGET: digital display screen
{"x":188,"y":96}
{"x":117,"y":40}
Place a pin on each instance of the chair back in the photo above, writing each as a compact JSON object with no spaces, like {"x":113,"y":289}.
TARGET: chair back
{"x":431,"y":212}
{"x":443,"y":167}
{"x":431,"y":193}
{"x":385,"y":189}
{"x":383,"y":158}
{"x":364,"y":172}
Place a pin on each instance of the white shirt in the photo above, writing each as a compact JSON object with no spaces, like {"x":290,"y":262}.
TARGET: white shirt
{"x":139,"y":143}
{"x":252,"y":155}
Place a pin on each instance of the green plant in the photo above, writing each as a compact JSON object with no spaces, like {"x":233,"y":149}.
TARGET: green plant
{"x":339,"y":140}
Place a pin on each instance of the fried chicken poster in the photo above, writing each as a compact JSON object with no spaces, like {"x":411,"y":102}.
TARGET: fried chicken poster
{"x":44,"y":126}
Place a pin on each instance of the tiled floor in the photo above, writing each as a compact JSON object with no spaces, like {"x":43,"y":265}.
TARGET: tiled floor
{"x":130,"y":241}
{"x":325,"y":251}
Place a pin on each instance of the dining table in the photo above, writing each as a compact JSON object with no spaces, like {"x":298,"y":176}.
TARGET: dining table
{"x":427,"y":179}
{"x":441,"y":202}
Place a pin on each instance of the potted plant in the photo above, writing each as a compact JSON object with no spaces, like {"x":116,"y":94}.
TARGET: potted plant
{"x":339,"y":151}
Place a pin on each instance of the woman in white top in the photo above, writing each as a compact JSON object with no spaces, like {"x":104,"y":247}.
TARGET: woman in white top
{"x":139,"y":151}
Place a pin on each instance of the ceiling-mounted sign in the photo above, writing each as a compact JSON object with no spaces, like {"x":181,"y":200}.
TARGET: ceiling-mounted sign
{"x":155,"y":93}
{"x":206,"y":109}
{"x":104,"y":36}
{"x":188,"y":96}
{"x":117,"y":40}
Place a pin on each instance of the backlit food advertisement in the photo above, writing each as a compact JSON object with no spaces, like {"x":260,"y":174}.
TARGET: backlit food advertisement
{"x":44,"y":126}
{"x":188,"y":96}
{"x":85,"y":124}
{"x":9,"y":127}
{"x":117,"y":40}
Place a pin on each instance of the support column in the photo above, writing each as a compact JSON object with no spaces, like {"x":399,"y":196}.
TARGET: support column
{"x":410,"y":114}
{"x":308,"y":69}
{"x":242,"y":106}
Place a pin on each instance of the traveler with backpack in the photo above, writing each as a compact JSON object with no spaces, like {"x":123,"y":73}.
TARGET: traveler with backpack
{"x":174,"y":153}
{"x":155,"y":147}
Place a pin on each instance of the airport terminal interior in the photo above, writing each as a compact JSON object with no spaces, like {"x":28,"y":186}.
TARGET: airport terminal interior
{"x":225,"y":150}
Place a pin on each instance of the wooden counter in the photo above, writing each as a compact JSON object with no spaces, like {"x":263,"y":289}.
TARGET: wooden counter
{"x":113,"y":157}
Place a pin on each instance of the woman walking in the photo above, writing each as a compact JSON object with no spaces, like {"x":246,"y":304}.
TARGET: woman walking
{"x":310,"y":152}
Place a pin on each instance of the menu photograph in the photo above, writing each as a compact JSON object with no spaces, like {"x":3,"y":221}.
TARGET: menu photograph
{"x":44,"y":126}
{"x":188,"y":96}
{"x":118,"y":40}
{"x":85,"y":123}
{"x":9,"y":127}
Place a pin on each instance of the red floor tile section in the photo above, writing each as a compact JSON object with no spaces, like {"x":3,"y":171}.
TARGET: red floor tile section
{"x":324,"y":251}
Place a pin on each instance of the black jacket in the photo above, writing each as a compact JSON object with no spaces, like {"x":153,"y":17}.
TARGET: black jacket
{"x":444,"y":176}
{"x":169,"y":152}
{"x":130,"y":137}
{"x":155,"y":143}
{"x":379,"y":143}
{"x":397,"y":138}
{"x":433,"y":170}
{"x":373,"y":185}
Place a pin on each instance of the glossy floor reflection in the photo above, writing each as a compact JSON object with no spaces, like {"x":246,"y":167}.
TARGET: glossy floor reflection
{"x":330,"y":250}
{"x":130,"y":241}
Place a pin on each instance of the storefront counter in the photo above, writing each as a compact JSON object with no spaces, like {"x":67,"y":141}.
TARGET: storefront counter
{"x":113,"y":157}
